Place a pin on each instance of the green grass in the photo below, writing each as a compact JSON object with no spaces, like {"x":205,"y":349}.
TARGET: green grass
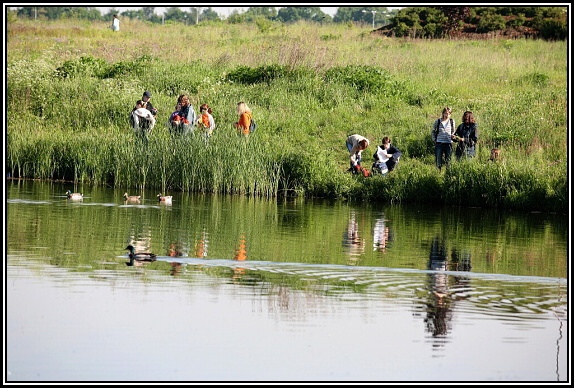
{"x":72,"y":84}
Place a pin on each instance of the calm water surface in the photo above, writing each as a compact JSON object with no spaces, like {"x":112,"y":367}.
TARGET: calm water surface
{"x":253,"y":290}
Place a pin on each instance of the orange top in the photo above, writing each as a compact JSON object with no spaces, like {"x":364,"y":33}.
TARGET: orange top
{"x":244,"y":123}
{"x":205,"y":120}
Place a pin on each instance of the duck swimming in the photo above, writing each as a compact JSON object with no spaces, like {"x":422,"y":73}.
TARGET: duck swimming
{"x":140,"y":256}
{"x":164,"y":198}
{"x":131,"y":198}
{"x":71,"y":195}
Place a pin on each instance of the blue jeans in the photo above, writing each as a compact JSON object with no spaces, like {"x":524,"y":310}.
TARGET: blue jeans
{"x":441,"y":149}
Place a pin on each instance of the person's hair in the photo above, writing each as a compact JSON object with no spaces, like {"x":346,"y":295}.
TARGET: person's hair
{"x":115,"y":16}
{"x":363,"y":144}
{"x":140,"y":103}
{"x":468,"y":117}
{"x":446,"y":110}
{"x":386,"y":140}
{"x":205,"y":107}
{"x":181,"y":98}
{"x":242,"y":108}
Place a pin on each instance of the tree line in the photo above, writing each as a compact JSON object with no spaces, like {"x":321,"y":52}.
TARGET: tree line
{"x":417,"y":22}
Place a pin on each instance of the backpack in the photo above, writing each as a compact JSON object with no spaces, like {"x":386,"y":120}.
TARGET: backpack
{"x":437,"y":126}
{"x":252,"y":126}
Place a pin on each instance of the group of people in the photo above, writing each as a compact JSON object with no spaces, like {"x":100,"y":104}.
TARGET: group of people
{"x":385,"y":157}
{"x":443,"y":135}
{"x":183,"y":119}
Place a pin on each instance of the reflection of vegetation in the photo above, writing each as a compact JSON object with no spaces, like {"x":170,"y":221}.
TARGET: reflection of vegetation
{"x":93,"y":234}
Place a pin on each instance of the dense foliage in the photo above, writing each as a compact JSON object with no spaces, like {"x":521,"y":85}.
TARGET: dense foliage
{"x":310,"y":86}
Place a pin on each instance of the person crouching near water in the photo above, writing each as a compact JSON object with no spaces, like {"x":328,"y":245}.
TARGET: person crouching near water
{"x":386,"y":157}
{"x":356,"y":144}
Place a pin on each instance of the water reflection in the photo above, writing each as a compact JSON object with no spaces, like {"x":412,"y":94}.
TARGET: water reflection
{"x":380,"y":235}
{"x":240,"y":255}
{"x":202,"y":244}
{"x":140,"y":238}
{"x":353,"y":244}
{"x":442,"y":295}
{"x":288,"y":288}
{"x":175,"y":250}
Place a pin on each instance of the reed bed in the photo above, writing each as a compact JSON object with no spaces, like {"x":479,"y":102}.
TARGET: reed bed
{"x":72,"y":85}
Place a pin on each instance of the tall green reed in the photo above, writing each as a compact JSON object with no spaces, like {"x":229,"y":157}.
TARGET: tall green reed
{"x":77,"y":128}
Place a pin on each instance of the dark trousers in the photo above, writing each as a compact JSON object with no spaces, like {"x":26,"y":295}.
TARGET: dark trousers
{"x":441,"y":149}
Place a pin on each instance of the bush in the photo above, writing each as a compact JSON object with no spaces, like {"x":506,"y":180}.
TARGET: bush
{"x":491,"y":22}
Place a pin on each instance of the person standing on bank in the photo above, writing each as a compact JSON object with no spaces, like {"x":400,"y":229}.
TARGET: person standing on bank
{"x":356,"y":144}
{"x":466,"y":136}
{"x":183,"y":120}
{"x":147,"y":103}
{"x":141,"y":120}
{"x":244,"y":112}
{"x":115,"y":23}
{"x":206,"y":122}
{"x":442,"y":134}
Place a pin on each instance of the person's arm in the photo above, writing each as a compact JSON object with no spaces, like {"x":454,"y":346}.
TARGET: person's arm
{"x":151,"y":108}
{"x":191,"y":117}
{"x":474,"y":134}
{"x":211,"y":122}
{"x":135,"y":120}
{"x":394,"y":152}
{"x":457,"y":134}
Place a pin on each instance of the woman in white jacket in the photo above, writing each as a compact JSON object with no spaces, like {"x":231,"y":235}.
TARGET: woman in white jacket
{"x":142,"y":120}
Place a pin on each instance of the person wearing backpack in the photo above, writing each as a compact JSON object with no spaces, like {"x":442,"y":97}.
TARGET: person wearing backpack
{"x":245,"y":116}
{"x":442,"y":134}
{"x":466,"y":136}
{"x":141,"y":119}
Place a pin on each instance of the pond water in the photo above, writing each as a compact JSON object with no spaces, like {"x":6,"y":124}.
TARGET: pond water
{"x":247,"y":289}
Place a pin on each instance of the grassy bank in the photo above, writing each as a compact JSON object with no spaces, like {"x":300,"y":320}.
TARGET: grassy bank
{"x":71,"y":86}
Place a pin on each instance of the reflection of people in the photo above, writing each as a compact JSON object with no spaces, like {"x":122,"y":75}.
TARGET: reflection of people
{"x":241,"y":251}
{"x":240,"y":255}
{"x":443,"y":295}
{"x":380,"y":235}
{"x":442,"y":133}
{"x":352,"y":241}
{"x":201,"y":245}
{"x":439,"y":307}
{"x":459,"y":262}
{"x":356,"y":144}
{"x":175,"y":250}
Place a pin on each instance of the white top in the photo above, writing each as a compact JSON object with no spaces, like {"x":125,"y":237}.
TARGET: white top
{"x":143,"y":114}
{"x":382,"y":154}
{"x":116,"y":24}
